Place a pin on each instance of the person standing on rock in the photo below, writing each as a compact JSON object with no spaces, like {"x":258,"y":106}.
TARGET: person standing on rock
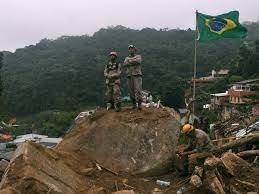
{"x":132,"y":63}
{"x":112,"y":74}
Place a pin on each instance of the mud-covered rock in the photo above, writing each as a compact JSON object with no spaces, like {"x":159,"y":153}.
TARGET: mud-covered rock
{"x":196,"y":181}
{"x":234,"y":163}
{"x":35,"y":169}
{"x":141,"y":142}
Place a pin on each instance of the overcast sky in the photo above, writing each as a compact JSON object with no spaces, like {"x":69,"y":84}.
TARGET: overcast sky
{"x":25,"y":22}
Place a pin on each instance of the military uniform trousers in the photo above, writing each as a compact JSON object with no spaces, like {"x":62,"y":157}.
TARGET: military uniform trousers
{"x":113,"y":92}
{"x":135,"y":87}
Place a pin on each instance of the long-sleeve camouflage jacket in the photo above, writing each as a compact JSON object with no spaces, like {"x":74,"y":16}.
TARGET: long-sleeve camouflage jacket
{"x":112,"y":73}
{"x":200,"y":141}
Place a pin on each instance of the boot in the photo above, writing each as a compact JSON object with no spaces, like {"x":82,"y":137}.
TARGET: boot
{"x":109,"y":106}
{"x":139,"y":105}
{"x":118,"y":107}
{"x":134,"y":106}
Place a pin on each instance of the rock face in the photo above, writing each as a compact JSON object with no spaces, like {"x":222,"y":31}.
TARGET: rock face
{"x":34,"y":169}
{"x":132,"y":141}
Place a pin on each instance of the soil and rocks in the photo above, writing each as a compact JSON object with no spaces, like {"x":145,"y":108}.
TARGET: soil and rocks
{"x":108,"y":152}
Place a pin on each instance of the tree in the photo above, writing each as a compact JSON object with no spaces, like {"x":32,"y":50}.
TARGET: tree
{"x":67,"y":73}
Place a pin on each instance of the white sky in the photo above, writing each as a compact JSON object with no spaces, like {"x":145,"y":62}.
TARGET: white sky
{"x":25,"y":22}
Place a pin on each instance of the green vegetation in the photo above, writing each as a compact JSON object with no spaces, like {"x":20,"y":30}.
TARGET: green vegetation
{"x":51,"y":123}
{"x":66,"y":74}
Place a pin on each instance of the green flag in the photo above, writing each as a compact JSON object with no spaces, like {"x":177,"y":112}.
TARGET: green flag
{"x":221,"y":26}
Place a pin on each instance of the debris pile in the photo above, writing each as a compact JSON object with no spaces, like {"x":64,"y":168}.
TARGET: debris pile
{"x":125,"y":153}
{"x":227,"y":174}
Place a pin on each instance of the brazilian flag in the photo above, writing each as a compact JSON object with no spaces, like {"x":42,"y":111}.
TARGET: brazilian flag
{"x":221,"y":26}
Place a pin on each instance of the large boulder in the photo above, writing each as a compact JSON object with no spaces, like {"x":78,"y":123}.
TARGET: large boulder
{"x":35,"y":169}
{"x":139,"y":142}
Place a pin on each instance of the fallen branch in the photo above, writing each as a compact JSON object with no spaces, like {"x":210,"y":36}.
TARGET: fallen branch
{"x":107,"y":169}
{"x":248,"y":153}
{"x":251,"y":185}
{"x":254,"y":138}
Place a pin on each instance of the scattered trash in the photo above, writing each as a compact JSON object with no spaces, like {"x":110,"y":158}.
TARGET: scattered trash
{"x":163,"y":183}
{"x":98,"y":167}
{"x":181,"y":190}
{"x":84,"y":114}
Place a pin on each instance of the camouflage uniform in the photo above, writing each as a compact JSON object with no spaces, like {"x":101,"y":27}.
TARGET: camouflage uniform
{"x":134,"y":74}
{"x":112,"y":73}
{"x":200,"y":141}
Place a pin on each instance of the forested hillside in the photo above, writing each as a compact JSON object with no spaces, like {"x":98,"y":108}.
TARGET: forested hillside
{"x":67,"y":73}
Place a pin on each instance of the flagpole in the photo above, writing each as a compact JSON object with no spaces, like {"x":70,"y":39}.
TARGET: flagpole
{"x":195,"y":64}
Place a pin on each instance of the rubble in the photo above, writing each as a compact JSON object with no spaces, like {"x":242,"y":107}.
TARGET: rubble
{"x":34,"y":169}
{"x":3,"y":165}
{"x":157,"y":191}
{"x":126,"y":152}
{"x":196,"y":181}
{"x":98,"y":190}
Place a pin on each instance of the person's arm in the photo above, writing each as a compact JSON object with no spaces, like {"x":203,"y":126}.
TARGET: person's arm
{"x":119,"y":70}
{"x":186,"y":151}
{"x":118,"y":73}
{"x":133,"y":61}
{"x":105,"y":72}
{"x":126,"y":62}
{"x":192,"y":144}
{"x":136,"y":60}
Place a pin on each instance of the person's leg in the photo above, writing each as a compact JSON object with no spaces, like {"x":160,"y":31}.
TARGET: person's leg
{"x":117,"y":97}
{"x":138,"y":90}
{"x":181,"y":164}
{"x":131,"y":91}
{"x":109,"y":96}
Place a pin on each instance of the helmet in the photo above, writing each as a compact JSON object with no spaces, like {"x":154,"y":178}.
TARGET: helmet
{"x":187,"y":128}
{"x":114,"y":54}
{"x":132,"y":46}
